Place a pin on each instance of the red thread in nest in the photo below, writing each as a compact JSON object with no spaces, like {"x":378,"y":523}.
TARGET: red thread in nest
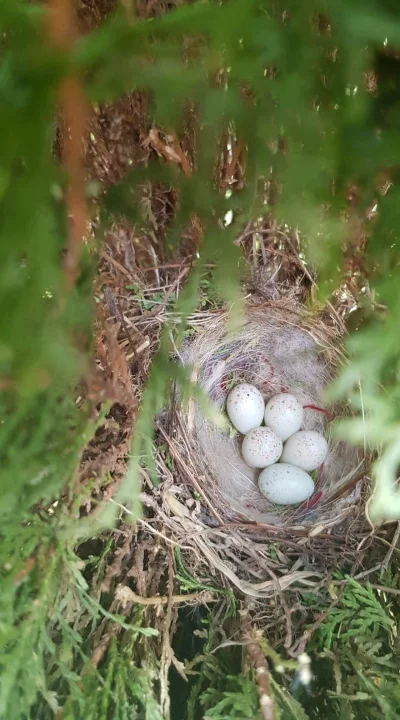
{"x":223,"y":381}
{"x":318,"y":409}
{"x":314,"y":500}
{"x":268,"y":382}
{"x":271,"y":376}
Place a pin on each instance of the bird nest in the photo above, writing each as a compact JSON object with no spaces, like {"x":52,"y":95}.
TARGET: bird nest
{"x":207,"y":507}
{"x":279,"y":348}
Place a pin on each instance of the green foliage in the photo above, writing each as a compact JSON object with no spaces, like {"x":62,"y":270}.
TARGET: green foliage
{"x":287,"y":80}
{"x":224,"y":683}
{"x":42,"y":431}
{"x":356,"y":662}
{"x":359,"y":614}
{"x":189,"y":584}
{"x":186,"y":581}
{"x":239,"y":699}
{"x":221,"y":687}
{"x":46,"y":655}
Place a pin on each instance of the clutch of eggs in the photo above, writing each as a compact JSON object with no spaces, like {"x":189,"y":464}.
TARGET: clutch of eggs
{"x":298,"y":451}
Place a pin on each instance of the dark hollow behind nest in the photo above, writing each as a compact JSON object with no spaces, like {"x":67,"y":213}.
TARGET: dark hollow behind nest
{"x":279,"y":348}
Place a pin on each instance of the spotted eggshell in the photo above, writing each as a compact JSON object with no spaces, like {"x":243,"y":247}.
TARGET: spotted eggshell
{"x":306,"y":449}
{"x":261,"y":447}
{"x":285,"y":484}
{"x":284,"y":415}
{"x":245,"y":407}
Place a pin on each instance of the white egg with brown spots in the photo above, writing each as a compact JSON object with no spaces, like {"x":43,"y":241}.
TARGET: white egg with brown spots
{"x":261,"y":447}
{"x":306,"y":449}
{"x":285,"y":484}
{"x":245,"y":407}
{"x":284,"y":415}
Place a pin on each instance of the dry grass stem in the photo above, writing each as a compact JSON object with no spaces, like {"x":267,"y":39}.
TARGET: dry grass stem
{"x":125,"y":595}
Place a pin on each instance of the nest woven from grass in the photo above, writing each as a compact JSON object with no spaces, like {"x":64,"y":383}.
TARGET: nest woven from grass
{"x":278,"y":349}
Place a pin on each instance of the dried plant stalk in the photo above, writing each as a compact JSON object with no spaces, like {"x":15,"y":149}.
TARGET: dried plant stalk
{"x":74,"y":111}
{"x":260,"y":666}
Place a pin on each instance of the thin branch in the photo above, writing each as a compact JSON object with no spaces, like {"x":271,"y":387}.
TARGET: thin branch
{"x":121,"y":268}
{"x":299,"y":647}
{"x":260,"y":666}
{"x":390,"y":552}
{"x":187,"y":471}
{"x":125,"y":595}
{"x":62,"y":32}
{"x":385,"y":589}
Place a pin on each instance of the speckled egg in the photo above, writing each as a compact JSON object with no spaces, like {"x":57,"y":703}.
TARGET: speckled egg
{"x":285,"y":484}
{"x":245,"y":407}
{"x":306,"y":449}
{"x":261,"y":447}
{"x":284,"y":415}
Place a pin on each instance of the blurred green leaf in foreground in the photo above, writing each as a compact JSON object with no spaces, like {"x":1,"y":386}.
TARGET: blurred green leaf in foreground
{"x":310,"y":93}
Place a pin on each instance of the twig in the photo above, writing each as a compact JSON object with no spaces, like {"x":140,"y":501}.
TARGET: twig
{"x":28,"y":567}
{"x":166,"y":650}
{"x":231,"y":643}
{"x":126,"y":331}
{"x":99,"y":651}
{"x":260,"y":667}
{"x":117,"y":265}
{"x":299,"y":647}
{"x":156,"y":311}
{"x":344,"y":489}
{"x":289,"y":631}
{"x":116,"y":311}
{"x":386,"y":542}
{"x":209,"y":266}
{"x":125,"y":595}
{"x":152,"y":530}
{"x":186,"y":470}
{"x":365,"y":573}
{"x":152,"y":252}
{"x":390,"y":552}
{"x":383,"y":588}
{"x":310,"y":277}
{"x":74,"y":110}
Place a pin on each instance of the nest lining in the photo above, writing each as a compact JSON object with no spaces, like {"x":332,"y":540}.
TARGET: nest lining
{"x":276,"y":350}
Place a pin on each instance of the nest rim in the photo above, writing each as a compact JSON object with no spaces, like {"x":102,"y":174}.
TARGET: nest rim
{"x":329,"y":339}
